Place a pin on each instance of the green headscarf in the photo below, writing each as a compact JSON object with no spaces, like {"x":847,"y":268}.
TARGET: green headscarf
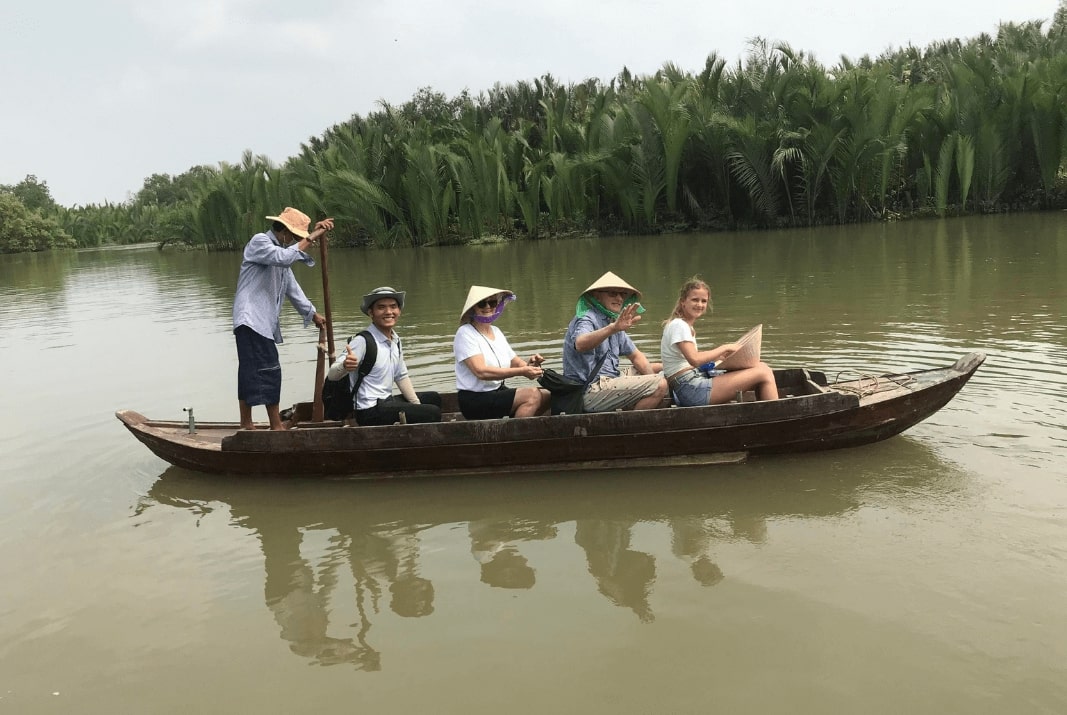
{"x":587,"y":302}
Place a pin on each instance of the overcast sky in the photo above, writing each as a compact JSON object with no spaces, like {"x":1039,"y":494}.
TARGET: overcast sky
{"x":100,"y":94}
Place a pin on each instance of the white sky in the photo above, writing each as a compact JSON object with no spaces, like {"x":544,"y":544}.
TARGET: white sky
{"x":100,"y":94}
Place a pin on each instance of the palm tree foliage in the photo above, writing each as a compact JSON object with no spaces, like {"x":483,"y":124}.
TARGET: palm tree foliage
{"x":776,"y":140}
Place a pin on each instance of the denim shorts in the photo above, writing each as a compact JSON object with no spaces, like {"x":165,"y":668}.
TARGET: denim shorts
{"x":691,"y":389}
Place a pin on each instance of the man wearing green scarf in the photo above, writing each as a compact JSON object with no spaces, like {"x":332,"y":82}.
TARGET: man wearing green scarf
{"x":597,"y":336}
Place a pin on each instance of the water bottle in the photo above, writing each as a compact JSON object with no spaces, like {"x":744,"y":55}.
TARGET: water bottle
{"x":707,"y":369}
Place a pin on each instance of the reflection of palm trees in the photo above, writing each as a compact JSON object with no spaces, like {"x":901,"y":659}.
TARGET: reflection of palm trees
{"x":623,"y":575}
{"x":501,"y":563}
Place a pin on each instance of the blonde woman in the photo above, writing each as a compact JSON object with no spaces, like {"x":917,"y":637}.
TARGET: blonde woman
{"x":682,"y":360}
{"x":484,"y":359}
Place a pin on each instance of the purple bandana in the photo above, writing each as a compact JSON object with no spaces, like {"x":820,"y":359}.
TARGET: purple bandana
{"x":496,"y":313}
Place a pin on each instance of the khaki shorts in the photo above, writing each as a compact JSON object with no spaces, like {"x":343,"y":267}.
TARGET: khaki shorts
{"x":619,"y":393}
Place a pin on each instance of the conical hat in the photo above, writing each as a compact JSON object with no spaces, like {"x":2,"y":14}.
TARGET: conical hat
{"x":610,"y":280}
{"x":479,"y":293}
{"x":748,"y":354}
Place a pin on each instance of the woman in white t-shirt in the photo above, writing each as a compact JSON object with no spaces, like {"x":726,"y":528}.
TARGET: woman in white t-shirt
{"x":682,"y":361}
{"x":484,"y":359}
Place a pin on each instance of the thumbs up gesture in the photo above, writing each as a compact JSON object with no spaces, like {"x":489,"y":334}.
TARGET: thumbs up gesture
{"x":351,"y":361}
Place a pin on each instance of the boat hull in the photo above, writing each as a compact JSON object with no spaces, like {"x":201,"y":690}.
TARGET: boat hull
{"x":824,"y":418}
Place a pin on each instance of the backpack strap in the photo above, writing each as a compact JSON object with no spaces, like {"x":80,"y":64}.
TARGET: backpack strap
{"x":593,"y":374}
{"x":367,"y":363}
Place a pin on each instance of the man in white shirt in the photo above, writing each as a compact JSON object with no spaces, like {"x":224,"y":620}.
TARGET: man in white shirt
{"x":374,"y":401}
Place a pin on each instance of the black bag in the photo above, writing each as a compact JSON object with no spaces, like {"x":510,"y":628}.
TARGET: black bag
{"x":566,"y":394}
{"x":337,"y":394}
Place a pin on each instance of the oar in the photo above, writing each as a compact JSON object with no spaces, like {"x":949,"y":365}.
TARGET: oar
{"x":326,"y":297}
{"x":318,"y":411}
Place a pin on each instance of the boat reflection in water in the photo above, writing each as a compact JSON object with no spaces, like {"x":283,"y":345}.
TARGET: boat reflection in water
{"x":376,"y":530}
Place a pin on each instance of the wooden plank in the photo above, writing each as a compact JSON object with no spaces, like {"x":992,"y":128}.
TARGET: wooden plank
{"x":693,"y":460}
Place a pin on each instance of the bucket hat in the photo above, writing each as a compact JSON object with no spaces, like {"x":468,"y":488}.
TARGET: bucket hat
{"x":294,"y":220}
{"x":379,"y":293}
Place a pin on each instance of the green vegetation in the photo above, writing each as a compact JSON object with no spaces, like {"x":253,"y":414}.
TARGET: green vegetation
{"x":778,"y":140}
{"x":26,"y":218}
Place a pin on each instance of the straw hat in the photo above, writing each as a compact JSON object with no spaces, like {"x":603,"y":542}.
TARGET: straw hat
{"x":295,"y":221}
{"x":379,"y":293}
{"x":479,"y":293}
{"x":610,"y":280}
{"x":748,"y":354}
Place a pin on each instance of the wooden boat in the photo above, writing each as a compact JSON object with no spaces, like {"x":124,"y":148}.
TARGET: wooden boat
{"x":813,"y":414}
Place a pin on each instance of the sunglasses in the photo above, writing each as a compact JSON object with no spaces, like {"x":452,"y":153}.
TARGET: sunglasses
{"x":616,"y":293}
{"x":488,"y":303}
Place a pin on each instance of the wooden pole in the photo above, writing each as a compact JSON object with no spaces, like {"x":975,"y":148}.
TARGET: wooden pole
{"x":318,"y":410}
{"x":325,"y":346}
{"x":326,"y":297}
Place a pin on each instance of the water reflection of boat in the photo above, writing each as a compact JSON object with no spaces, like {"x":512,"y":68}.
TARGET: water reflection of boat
{"x":375,"y":532}
{"x":812,"y":416}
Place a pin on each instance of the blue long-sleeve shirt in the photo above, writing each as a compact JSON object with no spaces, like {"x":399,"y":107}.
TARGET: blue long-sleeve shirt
{"x":266,"y":277}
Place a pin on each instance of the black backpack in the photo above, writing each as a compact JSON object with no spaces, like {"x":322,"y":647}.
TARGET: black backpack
{"x":567,"y":394}
{"x":337,"y":394}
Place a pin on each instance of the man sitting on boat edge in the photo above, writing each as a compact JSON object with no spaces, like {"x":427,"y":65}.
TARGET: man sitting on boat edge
{"x":373,"y":400}
{"x":597,"y":335}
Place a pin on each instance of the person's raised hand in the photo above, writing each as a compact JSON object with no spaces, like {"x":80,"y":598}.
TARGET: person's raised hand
{"x":628,"y":317}
{"x":351,"y":361}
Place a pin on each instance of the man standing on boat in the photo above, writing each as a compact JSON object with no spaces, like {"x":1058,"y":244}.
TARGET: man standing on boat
{"x":597,"y":336}
{"x":266,"y":277}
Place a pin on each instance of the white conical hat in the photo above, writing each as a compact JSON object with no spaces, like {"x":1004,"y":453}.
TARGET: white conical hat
{"x":748,"y":354}
{"x":610,"y":280}
{"x":479,"y":293}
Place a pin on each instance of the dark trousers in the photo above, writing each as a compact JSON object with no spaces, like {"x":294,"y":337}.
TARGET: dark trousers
{"x":388,"y":410}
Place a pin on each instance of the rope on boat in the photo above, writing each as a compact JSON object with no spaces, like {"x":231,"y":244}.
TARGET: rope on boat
{"x":870,"y":384}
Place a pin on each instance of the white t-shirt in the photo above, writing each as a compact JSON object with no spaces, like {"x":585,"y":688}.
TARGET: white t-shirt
{"x":388,"y":368}
{"x":496,"y":352}
{"x":676,"y":331}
